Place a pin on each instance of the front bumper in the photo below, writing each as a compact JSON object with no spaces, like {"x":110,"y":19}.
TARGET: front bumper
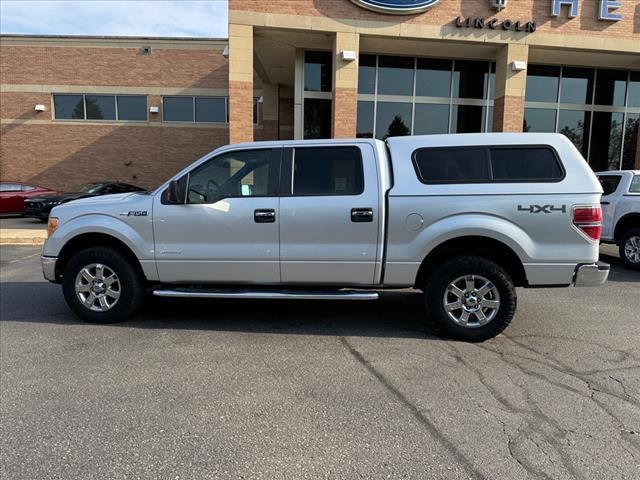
{"x":591,"y":274}
{"x":49,"y":267}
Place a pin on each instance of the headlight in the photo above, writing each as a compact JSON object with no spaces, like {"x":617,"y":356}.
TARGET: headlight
{"x":52,"y":226}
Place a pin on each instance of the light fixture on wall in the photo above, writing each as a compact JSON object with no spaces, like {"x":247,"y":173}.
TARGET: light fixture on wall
{"x":348,"y":55}
{"x":518,"y":65}
{"x":39,"y":108}
{"x":154,"y":109}
{"x":225,"y":52}
{"x":498,"y":4}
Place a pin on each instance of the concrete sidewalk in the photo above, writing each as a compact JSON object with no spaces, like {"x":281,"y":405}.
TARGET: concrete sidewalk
{"x":22,"y":231}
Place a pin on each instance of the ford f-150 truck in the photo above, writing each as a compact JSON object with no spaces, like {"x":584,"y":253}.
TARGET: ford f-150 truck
{"x":464,"y":218}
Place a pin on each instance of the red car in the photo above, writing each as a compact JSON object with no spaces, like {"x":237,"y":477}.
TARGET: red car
{"x":13,"y":195}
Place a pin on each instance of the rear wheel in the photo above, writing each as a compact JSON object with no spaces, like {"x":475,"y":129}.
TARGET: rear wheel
{"x":102,"y":286}
{"x":470,"y":298}
{"x":630,"y":248}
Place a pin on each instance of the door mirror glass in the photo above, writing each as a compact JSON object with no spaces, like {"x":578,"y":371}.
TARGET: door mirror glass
{"x":174,"y":194}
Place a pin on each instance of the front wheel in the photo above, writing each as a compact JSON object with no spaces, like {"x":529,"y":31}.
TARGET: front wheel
{"x":630,"y":248}
{"x":102,"y":286}
{"x":470,"y":298}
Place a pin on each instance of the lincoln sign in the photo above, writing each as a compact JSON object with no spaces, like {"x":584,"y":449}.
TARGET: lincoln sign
{"x":494,"y":24}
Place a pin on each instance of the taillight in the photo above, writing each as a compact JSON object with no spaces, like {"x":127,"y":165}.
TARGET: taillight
{"x":588,"y":220}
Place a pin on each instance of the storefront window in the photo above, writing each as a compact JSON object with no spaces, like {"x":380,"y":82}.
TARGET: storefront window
{"x":469,"y":79}
{"x":431,"y":119}
{"x":433,"y":78}
{"x":576,"y":85}
{"x":467,"y":119}
{"x":574,"y":124}
{"x":364,"y":127}
{"x":634,"y":90}
{"x":611,"y":87}
{"x":606,"y":140}
{"x":318,"y":71}
{"x":317,"y":118}
{"x":367,"y":74}
{"x":631,"y":140}
{"x":539,"y":120}
{"x":542,"y":84}
{"x":393,"y":119}
{"x":395,"y":75}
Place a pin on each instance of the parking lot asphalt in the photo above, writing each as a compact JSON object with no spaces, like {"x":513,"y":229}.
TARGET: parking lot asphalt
{"x":246,"y":389}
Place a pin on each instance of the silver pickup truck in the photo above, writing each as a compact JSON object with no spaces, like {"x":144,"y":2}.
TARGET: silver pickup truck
{"x":464,"y":218}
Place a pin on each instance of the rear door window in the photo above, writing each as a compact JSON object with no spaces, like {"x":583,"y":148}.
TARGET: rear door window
{"x":452,"y":165}
{"x":609,"y":183}
{"x":327,"y":171}
{"x":635,"y":184}
{"x":525,"y":164}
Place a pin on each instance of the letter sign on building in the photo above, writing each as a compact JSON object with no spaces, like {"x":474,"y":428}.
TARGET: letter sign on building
{"x":604,"y":12}
{"x":396,"y":7}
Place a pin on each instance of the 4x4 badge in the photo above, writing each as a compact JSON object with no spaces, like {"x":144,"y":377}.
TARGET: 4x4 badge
{"x":542,"y":208}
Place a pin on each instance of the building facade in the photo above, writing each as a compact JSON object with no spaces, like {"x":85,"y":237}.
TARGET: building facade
{"x":79,"y":109}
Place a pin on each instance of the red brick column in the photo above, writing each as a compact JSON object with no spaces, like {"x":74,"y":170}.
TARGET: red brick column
{"x":508,"y":111}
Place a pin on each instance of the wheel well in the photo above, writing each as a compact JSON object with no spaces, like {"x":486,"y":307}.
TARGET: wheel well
{"x":485,"y":247}
{"x":88,"y":240}
{"x":631,"y":220}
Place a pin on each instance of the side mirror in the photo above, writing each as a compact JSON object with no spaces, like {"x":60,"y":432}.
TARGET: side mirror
{"x":175,"y":193}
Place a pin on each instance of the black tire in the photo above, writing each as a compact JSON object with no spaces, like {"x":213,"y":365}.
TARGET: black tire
{"x":446,"y":273}
{"x":129,"y":286}
{"x":634,"y":232}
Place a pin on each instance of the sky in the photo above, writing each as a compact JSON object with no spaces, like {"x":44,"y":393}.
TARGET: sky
{"x":157,"y":18}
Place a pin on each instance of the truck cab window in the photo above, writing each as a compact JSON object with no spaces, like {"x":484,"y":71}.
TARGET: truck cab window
{"x":609,"y":183}
{"x":235,"y":174}
{"x":328,"y":171}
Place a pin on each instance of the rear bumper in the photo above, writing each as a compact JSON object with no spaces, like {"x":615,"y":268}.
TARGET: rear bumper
{"x":591,"y":274}
{"x":49,"y":267}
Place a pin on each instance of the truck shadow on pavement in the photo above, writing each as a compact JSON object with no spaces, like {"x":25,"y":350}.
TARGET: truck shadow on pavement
{"x":396,"y":314}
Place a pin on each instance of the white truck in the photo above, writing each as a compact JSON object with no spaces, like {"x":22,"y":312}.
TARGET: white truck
{"x":464,"y":218}
{"x":621,"y":213}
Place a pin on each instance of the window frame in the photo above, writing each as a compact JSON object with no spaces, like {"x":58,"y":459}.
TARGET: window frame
{"x":490,"y":179}
{"x":286,"y":186}
{"x":193,"y":109}
{"x":115,"y":96}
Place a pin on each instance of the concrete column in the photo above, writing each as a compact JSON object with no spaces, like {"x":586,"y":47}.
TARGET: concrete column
{"x":508,"y":112}
{"x":240,"y":83}
{"x":270,"y":111}
{"x":345,"y":86}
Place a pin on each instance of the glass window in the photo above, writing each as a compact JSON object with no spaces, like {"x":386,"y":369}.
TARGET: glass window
{"x":631,"y":139}
{"x":256,"y":112}
{"x":467,"y":119}
{"x":364,"y":127}
{"x":542,"y":83}
{"x":574,"y":124}
{"x":317,"y":118}
{"x":431,"y":119}
{"x":469,"y":79}
{"x":100,"y":107}
{"x":367,"y":74}
{"x":27,"y":188}
{"x":433,"y":78}
{"x":211,"y":109}
{"x":318,"y":71}
{"x":235,"y":174}
{"x":606,"y":141}
{"x":395,"y":75}
{"x":492,"y":82}
{"x":576,"y":86}
{"x":609,"y":183}
{"x":634,"y":90}
{"x":611,"y":87}
{"x":177,"y":109}
{"x":327,"y":171}
{"x":635,"y":184}
{"x":68,"y":107}
{"x":539,"y":120}
{"x":132,"y":107}
{"x":393,"y":119}
{"x":525,"y":163}
{"x":9,"y":187}
{"x":452,"y":165}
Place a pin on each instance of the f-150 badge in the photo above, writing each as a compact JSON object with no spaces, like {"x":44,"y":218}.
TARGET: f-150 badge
{"x":134,"y":213}
{"x":542,"y":208}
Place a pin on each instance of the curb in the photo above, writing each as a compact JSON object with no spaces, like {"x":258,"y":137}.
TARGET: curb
{"x":33,"y":241}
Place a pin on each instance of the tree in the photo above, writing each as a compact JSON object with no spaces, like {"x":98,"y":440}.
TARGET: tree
{"x":397,"y":128}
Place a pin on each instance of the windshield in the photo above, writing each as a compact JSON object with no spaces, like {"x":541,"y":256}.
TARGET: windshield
{"x":90,"y":188}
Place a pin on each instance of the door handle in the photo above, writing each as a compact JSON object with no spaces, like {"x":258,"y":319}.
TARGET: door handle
{"x":605,"y":203}
{"x":359,"y":215}
{"x":264,"y":215}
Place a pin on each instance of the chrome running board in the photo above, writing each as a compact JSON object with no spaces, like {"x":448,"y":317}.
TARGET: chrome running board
{"x":269,"y":295}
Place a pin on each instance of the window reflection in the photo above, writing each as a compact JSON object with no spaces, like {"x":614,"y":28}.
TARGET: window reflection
{"x":574,"y":124}
{"x":433,"y":78}
{"x":431,"y":119}
{"x":318,"y":71}
{"x":542,"y":83}
{"x":631,"y":142}
{"x":576,"y":85}
{"x":393,"y":120}
{"x":606,"y":141}
{"x":395,"y":75}
{"x":611,"y":87}
{"x":539,"y":120}
{"x":317,"y":118}
{"x":367,"y":74}
{"x":364,"y":127}
{"x":469,"y":79}
{"x":467,"y":119}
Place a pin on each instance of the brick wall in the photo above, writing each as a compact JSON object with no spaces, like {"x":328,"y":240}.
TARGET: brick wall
{"x":447,"y":10}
